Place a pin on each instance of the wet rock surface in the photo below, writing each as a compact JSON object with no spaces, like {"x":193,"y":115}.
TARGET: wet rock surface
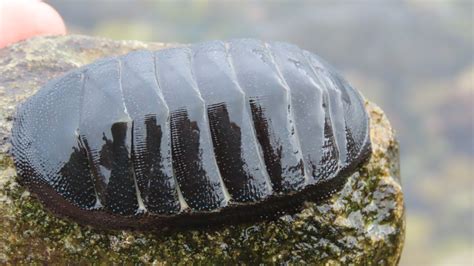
{"x":362,"y":224}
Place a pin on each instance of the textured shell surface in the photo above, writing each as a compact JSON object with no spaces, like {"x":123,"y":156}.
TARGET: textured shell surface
{"x":200,"y":134}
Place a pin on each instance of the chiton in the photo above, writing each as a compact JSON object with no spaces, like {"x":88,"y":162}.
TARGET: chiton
{"x":202,"y":134}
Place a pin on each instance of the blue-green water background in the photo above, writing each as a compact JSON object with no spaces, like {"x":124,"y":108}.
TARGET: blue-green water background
{"x":413,"y":58}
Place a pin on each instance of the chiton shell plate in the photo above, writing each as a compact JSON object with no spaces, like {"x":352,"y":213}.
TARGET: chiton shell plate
{"x":200,"y":134}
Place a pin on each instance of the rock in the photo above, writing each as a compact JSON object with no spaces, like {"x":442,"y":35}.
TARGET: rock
{"x":362,"y":224}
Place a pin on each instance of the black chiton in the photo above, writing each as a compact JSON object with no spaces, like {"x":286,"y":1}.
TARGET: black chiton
{"x":200,"y":134}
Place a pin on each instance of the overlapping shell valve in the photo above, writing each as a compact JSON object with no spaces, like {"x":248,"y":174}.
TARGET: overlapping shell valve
{"x":200,"y":129}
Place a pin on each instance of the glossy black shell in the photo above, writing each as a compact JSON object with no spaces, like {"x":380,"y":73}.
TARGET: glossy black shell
{"x":205,"y":133}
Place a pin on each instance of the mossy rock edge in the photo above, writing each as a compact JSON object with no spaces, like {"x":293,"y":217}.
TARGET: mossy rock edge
{"x":362,"y":224}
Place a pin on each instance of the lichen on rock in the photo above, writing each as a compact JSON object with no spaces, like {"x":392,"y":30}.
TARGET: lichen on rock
{"x":362,"y":224}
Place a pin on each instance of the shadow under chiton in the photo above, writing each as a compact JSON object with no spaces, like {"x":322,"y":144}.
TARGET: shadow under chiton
{"x":204,"y":134}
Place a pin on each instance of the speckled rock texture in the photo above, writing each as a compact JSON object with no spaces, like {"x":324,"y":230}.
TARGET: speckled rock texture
{"x":362,"y":224}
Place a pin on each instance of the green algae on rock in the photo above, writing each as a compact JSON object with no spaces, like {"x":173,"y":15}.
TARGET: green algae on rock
{"x":363,"y":223}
